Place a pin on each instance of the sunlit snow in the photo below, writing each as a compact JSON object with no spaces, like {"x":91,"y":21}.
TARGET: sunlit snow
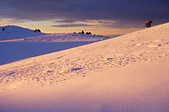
{"x":129,"y":73}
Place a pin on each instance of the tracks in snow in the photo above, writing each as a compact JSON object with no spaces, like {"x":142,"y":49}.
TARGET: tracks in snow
{"x":81,"y":61}
{"x":58,"y":71}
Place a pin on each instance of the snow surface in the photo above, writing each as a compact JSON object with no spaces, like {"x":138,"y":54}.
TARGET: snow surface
{"x":16,"y":32}
{"x":14,"y":51}
{"x":66,"y":37}
{"x":125,"y":74}
{"x":18,"y":43}
{"x":19,"y":34}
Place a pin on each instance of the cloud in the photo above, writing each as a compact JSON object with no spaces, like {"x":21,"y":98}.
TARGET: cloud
{"x":66,"y":21}
{"x":70,"y":21}
{"x":105,"y":22}
{"x":7,"y":21}
{"x":71,"y":25}
{"x":69,"y":11}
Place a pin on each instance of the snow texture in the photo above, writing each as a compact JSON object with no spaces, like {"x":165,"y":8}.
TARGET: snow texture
{"x":124,"y":74}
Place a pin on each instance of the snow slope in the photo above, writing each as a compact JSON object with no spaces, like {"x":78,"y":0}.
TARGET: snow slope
{"x":14,"y":51}
{"x":125,"y":74}
{"x":18,"y":43}
{"x":66,"y":37}
{"x":19,"y":34}
{"x":16,"y":32}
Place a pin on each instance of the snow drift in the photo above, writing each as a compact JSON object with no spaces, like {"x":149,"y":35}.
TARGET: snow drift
{"x":124,"y":74}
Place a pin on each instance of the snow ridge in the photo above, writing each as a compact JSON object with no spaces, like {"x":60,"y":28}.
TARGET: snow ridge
{"x":146,"y":45}
{"x":16,"y":32}
{"x":19,"y":34}
{"x":66,"y":37}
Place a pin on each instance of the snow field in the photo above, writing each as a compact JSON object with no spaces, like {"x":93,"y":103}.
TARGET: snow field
{"x":60,"y":66}
{"x":124,"y":74}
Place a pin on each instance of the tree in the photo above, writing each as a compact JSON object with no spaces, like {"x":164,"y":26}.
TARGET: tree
{"x":3,"y":29}
{"x":82,"y":32}
{"x":148,"y":23}
{"x":88,"y":33}
{"x":37,"y":30}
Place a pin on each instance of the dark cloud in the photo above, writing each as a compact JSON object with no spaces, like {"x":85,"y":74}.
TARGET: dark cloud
{"x":106,"y":22}
{"x":71,"y":25}
{"x":80,"y":10}
{"x":69,"y":21}
{"x":66,"y":21}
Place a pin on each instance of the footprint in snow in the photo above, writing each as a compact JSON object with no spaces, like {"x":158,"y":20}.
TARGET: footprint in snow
{"x":75,"y":69}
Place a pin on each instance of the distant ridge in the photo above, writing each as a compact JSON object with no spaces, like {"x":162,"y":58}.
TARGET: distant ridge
{"x":16,"y":32}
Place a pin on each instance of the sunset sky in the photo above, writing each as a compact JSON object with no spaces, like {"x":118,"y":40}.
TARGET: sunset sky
{"x":106,"y":17}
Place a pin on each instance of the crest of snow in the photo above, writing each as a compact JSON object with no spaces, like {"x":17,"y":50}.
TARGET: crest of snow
{"x":16,"y":32}
{"x":66,"y":37}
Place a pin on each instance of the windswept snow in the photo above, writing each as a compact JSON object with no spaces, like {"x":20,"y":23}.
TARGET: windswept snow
{"x":124,"y":74}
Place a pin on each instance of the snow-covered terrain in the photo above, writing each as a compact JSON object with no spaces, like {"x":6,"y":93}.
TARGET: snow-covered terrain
{"x":125,"y":74}
{"x":66,"y":37}
{"x":14,"y":51}
{"x":19,"y":34}
{"x":18,"y":43}
{"x":16,"y":32}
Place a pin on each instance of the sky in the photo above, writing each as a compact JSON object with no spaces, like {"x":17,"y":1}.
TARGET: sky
{"x":105,"y":17}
